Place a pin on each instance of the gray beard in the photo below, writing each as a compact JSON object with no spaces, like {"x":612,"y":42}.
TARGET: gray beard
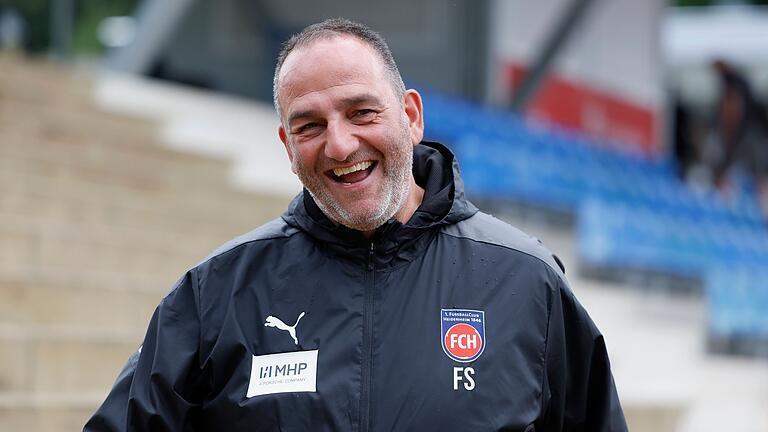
{"x":393,"y":199}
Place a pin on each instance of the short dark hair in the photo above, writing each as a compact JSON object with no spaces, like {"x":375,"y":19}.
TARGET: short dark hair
{"x":339,"y":27}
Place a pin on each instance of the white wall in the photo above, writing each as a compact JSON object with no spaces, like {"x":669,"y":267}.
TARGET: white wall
{"x":616,"y":47}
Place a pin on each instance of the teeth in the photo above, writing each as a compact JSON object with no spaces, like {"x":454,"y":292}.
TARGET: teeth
{"x":356,"y":167}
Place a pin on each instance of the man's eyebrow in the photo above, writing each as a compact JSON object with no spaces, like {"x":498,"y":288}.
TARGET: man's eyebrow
{"x":301,"y":115}
{"x":342,"y":103}
{"x":359,"y":99}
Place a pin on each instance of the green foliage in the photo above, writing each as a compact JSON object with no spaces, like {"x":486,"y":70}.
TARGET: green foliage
{"x":88,"y":15}
{"x":36,"y":15}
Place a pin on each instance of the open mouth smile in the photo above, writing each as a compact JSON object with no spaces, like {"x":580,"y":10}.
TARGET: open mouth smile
{"x":352,"y":174}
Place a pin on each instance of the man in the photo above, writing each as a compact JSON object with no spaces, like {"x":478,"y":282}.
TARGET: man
{"x":741,"y":123}
{"x":381,"y":300}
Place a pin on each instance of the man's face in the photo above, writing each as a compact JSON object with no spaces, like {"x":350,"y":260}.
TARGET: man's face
{"x":349,"y":137}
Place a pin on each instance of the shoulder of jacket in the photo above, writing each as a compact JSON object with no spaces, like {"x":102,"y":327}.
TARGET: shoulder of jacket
{"x":484,"y":228}
{"x":274,"y":229}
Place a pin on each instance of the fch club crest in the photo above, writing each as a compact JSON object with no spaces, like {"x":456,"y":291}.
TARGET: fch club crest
{"x":463,"y":333}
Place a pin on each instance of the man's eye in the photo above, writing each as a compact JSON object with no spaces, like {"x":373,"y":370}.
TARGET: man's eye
{"x":364,"y":113}
{"x":306,"y":127}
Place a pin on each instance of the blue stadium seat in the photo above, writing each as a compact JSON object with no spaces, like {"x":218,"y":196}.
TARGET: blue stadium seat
{"x":738,"y":302}
{"x":627,"y":235}
{"x":632,"y":211}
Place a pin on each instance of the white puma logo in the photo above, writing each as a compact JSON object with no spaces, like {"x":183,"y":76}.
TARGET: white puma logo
{"x":276,"y":322}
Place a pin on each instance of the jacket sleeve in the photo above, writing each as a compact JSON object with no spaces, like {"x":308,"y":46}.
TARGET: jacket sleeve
{"x":579,"y":392}
{"x":161,"y":386}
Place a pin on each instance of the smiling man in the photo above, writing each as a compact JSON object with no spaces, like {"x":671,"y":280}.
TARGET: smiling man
{"x":349,"y":127}
{"x":382,"y":300}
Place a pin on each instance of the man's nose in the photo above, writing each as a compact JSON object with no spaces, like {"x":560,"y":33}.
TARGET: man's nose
{"x":340,"y":141}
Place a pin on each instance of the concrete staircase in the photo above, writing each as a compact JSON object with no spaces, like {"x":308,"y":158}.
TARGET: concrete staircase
{"x":97,"y":221}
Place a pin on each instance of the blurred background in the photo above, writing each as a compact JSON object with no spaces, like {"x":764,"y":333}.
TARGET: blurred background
{"x":630,"y":136}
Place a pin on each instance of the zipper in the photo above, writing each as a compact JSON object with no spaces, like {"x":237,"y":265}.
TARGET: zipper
{"x":367,"y":358}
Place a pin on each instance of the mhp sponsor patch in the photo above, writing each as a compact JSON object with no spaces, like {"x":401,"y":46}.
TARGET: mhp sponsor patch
{"x":283,"y":373}
{"x":463,"y":333}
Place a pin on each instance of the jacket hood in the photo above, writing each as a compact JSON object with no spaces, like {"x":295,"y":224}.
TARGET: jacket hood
{"x":436,"y":170}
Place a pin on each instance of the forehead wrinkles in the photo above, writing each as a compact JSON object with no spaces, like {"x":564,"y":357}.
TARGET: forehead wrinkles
{"x":308,"y":95}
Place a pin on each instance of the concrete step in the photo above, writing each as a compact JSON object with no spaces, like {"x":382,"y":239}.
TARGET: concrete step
{"x":92,"y":278}
{"x":226,"y":206}
{"x":71,"y":123}
{"x":39,"y":81}
{"x":653,"y":417}
{"x":47,"y":412}
{"x":77,"y":263}
{"x":104,"y":235}
{"x":106,"y":307}
{"x":150,"y":162}
{"x":213,"y":186}
{"x":126,"y":135}
{"x":63,"y":359}
{"x":64,"y":250}
{"x":54,"y":377}
{"x":127,"y":215}
{"x":105,"y":165}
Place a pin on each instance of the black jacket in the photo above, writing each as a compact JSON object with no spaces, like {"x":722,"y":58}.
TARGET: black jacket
{"x":454,"y":321}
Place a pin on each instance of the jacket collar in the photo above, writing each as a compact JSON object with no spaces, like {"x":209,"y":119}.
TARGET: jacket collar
{"x":436,"y":170}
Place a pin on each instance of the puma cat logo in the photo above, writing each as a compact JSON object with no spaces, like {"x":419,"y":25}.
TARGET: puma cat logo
{"x":280,"y":325}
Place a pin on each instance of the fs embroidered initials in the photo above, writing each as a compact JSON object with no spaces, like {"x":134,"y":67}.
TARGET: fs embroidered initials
{"x":463,"y":374}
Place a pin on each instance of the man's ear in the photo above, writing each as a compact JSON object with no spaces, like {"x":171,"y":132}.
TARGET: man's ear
{"x":414,"y":112}
{"x":284,"y":138}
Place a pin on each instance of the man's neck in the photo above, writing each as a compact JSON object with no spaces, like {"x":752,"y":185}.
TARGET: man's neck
{"x":415,"y":197}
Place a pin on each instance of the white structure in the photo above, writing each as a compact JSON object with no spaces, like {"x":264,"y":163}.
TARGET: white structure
{"x":606,"y":81}
{"x":693,"y":37}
